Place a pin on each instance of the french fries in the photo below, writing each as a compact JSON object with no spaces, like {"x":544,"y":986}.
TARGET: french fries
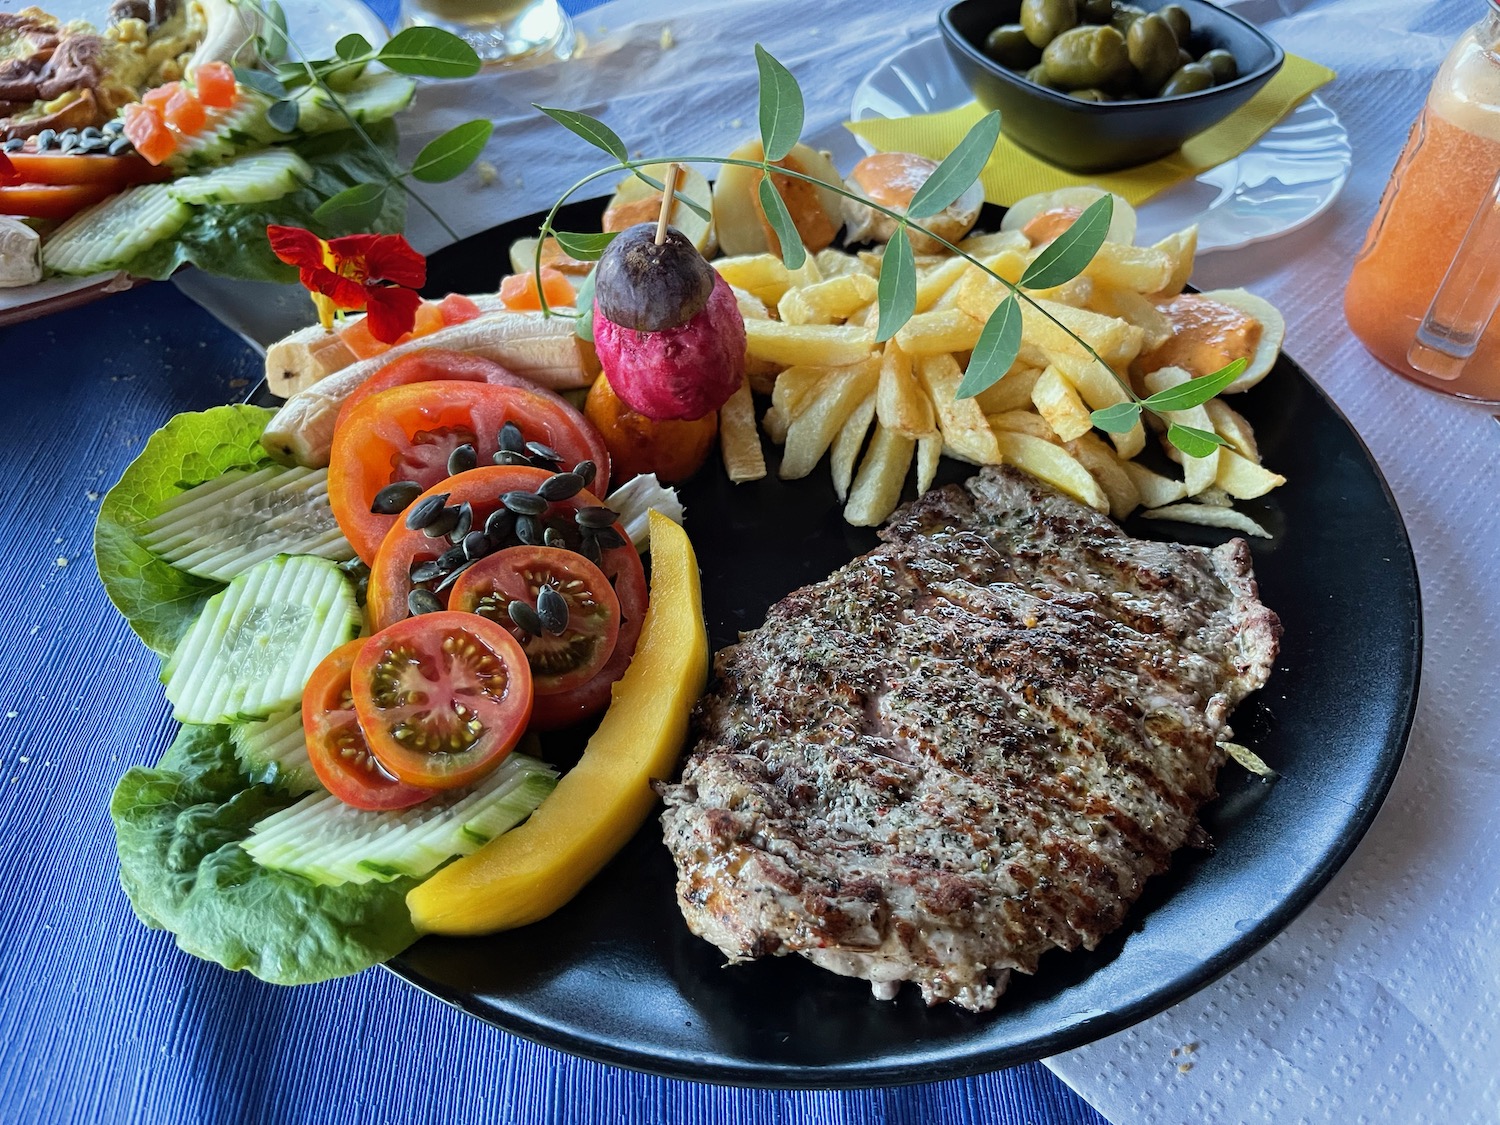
{"x":814,"y":427}
{"x":900,"y":401}
{"x":739,"y":440}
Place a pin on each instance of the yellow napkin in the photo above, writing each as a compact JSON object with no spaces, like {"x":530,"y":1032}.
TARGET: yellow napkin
{"x":1012,"y":173}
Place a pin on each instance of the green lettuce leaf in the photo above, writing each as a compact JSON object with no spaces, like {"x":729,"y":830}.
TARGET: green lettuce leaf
{"x":177,"y":829}
{"x":160,"y":601}
{"x":230,"y":239}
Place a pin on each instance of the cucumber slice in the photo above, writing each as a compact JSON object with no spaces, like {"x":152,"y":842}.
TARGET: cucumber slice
{"x":373,"y":98}
{"x":257,"y":178}
{"x":274,"y":752}
{"x":109,"y":234}
{"x":329,"y":842}
{"x":251,"y":650}
{"x":225,"y":526}
{"x":227,"y":132}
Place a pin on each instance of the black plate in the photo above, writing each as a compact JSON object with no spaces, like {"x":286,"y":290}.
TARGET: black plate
{"x":616,"y":976}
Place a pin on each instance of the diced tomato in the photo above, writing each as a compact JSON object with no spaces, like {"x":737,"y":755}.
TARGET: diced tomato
{"x":215,"y":84}
{"x":158,"y":97}
{"x":185,"y":113}
{"x":149,"y":133}
{"x":358,"y":338}
{"x":456,"y":308}
{"x":519,"y":290}
{"x":51,"y":201}
{"x":80,"y":168}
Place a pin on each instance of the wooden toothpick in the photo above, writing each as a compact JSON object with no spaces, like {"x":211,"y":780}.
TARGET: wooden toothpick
{"x":667,"y":199}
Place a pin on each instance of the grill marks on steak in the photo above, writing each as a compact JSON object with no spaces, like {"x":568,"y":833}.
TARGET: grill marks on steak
{"x":966,"y":748}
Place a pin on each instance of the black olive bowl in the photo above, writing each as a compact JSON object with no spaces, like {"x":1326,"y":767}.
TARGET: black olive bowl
{"x":1084,"y":136}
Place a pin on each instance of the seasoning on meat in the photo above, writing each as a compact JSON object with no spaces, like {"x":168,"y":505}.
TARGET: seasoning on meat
{"x":968,"y":747}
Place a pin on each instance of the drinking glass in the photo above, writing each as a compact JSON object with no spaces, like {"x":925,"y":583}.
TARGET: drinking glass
{"x":501,"y":31}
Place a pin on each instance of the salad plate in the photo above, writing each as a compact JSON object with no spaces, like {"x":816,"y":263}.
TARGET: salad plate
{"x":617,"y":977}
{"x":1281,"y":183}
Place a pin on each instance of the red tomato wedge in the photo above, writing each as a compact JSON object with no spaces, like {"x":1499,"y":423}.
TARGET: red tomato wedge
{"x":567,"y":658}
{"x":520,"y":291}
{"x":51,"y":201}
{"x":149,"y":133}
{"x":391,"y":583}
{"x":215,"y":84}
{"x":407,"y":433}
{"x":442,"y":698}
{"x":336,"y":745}
{"x":92,"y":168}
{"x":185,"y":113}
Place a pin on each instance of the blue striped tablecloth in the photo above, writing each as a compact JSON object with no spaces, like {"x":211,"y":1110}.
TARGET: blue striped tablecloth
{"x":104,"y":1021}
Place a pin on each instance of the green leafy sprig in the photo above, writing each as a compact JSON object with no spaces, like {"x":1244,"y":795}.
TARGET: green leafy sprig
{"x":419,"y":52}
{"x":781,"y":117}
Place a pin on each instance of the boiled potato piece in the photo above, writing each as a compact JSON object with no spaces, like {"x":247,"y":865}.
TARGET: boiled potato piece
{"x":636,"y":201}
{"x":1071,"y":202}
{"x":815,"y":210}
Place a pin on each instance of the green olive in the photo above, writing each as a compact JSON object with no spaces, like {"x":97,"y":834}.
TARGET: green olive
{"x":1188,"y":80}
{"x":1124,"y":15}
{"x":1009,"y":46}
{"x":1153,"y":51}
{"x":1221,"y":65}
{"x":1177,"y":19}
{"x":1089,"y":94}
{"x":1183,"y":56}
{"x":1096,"y":11}
{"x":1045,"y":20}
{"x":1088,"y":56}
{"x":1039,"y":75}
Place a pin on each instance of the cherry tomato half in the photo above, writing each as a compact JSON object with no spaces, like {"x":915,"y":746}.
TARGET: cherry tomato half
{"x":563,"y":660}
{"x":407,"y":433}
{"x":336,"y":745}
{"x":442,"y":698}
{"x":390,"y":580}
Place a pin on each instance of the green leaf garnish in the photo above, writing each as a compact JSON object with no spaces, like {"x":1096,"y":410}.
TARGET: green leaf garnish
{"x":999,"y":344}
{"x":583,"y":324}
{"x":352,"y":46}
{"x":274,"y":43}
{"x":591,"y":129}
{"x":282,"y":116}
{"x":357,"y":206}
{"x":429,"y":52}
{"x":450,"y":154}
{"x":585,"y":247}
{"x":1195,"y":392}
{"x":260,"y":81}
{"x":691,"y":204}
{"x":793,"y":253}
{"x":1117,"y":419}
{"x":781,"y":109}
{"x":896,"y":296}
{"x":1072,"y":250}
{"x":1193,"y":442}
{"x":957,"y":173}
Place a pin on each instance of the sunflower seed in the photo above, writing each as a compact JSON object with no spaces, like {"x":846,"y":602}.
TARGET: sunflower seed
{"x":114,"y":127}
{"x":587,"y":470}
{"x":545,"y":452}
{"x":426,"y":511}
{"x":510,"y":457}
{"x":462,"y":459}
{"x":442,"y":523}
{"x":560,"y":487}
{"x":90,"y":132}
{"x":595,"y":518}
{"x":476,"y":545}
{"x":609,"y":538}
{"x":421,"y":601}
{"x":45,"y":138}
{"x":552,"y":610}
{"x":428,"y":570}
{"x":119,"y":145}
{"x":524,"y":503}
{"x":525,"y":618}
{"x":15,"y":144}
{"x":68,"y":143}
{"x":501,"y":525}
{"x":528,"y":532}
{"x":394,"y":498}
{"x":465,"y":522}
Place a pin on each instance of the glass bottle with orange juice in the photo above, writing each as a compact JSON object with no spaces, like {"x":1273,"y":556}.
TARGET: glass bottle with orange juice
{"x":1425,"y":288}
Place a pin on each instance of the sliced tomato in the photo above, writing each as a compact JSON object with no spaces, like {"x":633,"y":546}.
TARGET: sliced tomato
{"x":390,"y":581}
{"x":148,"y":133}
{"x":185,"y":113}
{"x":563,"y":660}
{"x":407,"y":433}
{"x":457,"y":309}
{"x":336,"y":745}
{"x":520,"y":291}
{"x":90,"y":168}
{"x":51,"y":201}
{"x":215,"y":84}
{"x":442,"y":698}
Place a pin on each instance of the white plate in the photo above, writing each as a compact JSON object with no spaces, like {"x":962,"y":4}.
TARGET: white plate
{"x":1282,"y":182}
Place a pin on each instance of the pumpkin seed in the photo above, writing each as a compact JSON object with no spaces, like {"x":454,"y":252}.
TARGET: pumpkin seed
{"x":476,"y":545}
{"x":452,"y":577}
{"x":525,"y":618}
{"x":609,"y":538}
{"x":551,"y":537}
{"x":528,"y":532}
{"x":427,"y":570}
{"x":444,"y":522}
{"x":465,"y":522}
{"x":510,"y":457}
{"x":501,"y":525}
{"x":563,"y":486}
{"x":524,"y":503}
{"x":421,"y":601}
{"x":545,"y":452}
{"x":462,"y":459}
{"x":426,"y":511}
{"x":552,"y":610}
{"x":511,"y":439}
{"x":588,"y":471}
{"x":394,"y":498}
{"x":594,"y":518}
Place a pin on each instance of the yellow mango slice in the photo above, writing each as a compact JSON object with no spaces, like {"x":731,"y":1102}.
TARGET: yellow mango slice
{"x":599,"y":804}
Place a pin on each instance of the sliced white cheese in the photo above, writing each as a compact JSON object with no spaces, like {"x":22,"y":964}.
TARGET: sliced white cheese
{"x":20,"y":254}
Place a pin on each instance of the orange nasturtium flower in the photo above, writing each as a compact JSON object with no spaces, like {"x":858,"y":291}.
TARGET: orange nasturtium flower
{"x":379,"y":273}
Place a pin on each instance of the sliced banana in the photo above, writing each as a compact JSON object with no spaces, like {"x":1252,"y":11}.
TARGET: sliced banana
{"x":738,"y":218}
{"x":1073,"y":201}
{"x":891,"y":179}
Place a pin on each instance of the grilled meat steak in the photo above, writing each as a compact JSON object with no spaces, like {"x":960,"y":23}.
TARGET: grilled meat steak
{"x":966,"y":748}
